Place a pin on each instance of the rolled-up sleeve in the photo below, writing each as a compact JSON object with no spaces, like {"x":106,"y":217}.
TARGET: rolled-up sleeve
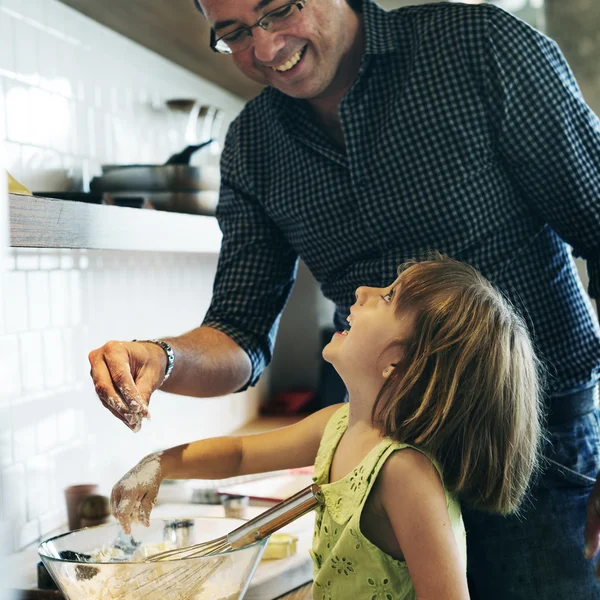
{"x":256,"y":268}
{"x":548,"y":137}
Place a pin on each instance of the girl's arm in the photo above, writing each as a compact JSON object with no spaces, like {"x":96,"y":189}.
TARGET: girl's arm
{"x":133,"y":497}
{"x":415,"y":502}
{"x":218,"y":458}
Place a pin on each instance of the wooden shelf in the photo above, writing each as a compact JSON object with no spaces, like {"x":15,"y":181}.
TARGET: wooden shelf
{"x":45,"y":223}
{"x":175,"y":30}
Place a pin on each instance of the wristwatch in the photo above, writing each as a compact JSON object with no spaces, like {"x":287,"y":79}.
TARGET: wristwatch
{"x":168,"y":351}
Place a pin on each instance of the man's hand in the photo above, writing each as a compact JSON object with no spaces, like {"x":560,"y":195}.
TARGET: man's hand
{"x":592,"y":524}
{"x":134,"y":495}
{"x":125,"y":374}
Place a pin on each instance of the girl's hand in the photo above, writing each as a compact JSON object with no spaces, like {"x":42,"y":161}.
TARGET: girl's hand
{"x":134,"y":495}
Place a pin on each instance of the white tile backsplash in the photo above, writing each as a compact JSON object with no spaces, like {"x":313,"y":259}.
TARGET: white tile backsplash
{"x":54,"y":431}
{"x":70,"y":102}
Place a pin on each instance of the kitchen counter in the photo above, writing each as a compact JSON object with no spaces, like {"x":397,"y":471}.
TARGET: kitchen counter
{"x":287,"y":578}
{"x":301,"y":593}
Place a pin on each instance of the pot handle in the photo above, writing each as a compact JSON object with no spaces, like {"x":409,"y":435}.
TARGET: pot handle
{"x":183,"y":157}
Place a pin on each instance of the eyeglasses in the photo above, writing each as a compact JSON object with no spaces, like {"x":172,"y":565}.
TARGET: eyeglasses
{"x":275,"y":20}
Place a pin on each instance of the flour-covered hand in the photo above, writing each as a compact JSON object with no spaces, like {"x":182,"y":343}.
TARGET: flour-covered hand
{"x":134,"y":495}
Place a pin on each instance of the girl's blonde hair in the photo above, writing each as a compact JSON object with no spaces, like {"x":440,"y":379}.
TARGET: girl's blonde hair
{"x":467,"y":389}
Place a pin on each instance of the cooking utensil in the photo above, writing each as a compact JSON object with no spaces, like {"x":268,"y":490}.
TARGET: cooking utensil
{"x":249,"y":533}
{"x":202,"y":202}
{"x":81,"y":578}
{"x":280,"y":515}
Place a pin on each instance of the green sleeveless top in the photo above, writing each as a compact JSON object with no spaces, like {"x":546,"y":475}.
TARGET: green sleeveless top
{"x":346,"y":563}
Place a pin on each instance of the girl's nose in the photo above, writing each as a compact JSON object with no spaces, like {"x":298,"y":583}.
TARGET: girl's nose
{"x":266,"y":45}
{"x":362,"y":293}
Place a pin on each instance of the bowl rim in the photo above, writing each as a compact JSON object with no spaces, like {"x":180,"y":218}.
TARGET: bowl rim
{"x":45,"y":556}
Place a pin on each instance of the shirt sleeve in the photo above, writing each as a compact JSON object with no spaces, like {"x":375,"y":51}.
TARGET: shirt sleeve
{"x":255,"y":272}
{"x":549,"y":139}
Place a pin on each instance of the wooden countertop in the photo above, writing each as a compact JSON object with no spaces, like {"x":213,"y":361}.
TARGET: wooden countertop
{"x":301,"y":593}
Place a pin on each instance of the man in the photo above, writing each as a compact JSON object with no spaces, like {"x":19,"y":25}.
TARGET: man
{"x":381,"y":136}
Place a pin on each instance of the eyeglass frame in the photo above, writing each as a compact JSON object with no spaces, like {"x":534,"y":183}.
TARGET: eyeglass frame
{"x":213,"y":39}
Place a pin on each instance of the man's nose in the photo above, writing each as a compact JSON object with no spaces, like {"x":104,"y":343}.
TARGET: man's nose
{"x":267,"y":45}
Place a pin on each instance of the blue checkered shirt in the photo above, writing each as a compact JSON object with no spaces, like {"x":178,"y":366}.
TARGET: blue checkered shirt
{"x":465,"y":132}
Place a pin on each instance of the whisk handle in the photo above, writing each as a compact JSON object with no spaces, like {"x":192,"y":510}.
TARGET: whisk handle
{"x":276,"y":517}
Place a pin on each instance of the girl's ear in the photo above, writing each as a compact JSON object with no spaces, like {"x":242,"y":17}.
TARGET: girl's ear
{"x":388,"y":370}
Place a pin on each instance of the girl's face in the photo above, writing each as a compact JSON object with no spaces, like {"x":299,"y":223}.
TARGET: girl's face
{"x":378,"y":329}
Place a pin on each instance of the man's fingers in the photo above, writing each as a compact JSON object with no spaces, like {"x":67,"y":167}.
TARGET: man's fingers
{"x":116,"y":359}
{"x":106,"y":392}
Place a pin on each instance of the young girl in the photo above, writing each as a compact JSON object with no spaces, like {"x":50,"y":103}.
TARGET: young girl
{"x":444,"y":406}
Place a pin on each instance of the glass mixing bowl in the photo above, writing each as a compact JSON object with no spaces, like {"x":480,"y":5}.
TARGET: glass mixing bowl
{"x":102,"y":563}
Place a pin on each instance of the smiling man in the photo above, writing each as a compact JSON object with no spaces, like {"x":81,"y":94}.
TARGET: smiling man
{"x":381,"y":136}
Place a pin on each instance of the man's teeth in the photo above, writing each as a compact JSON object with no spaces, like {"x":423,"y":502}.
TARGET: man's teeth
{"x":290,"y":63}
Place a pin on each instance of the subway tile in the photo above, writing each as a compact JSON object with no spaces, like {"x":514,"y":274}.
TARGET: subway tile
{"x":75,"y":292}
{"x":28,"y":534}
{"x":67,"y":425}
{"x":32,"y":357}
{"x":46,"y":433}
{"x":54,"y":359}
{"x":18,"y":112}
{"x":39,"y":296}
{"x":12,"y":159}
{"x":10,"y":262}
{"x":67,"y":260}
{"x":10,"y":367}
{"x":6,"y":457}
{"x":14,"y":495}
{"x":71,"y":349}
{"x":41,"y":117}
{"x":15,"y":301}
{"x":7,"y":48}
{"x":23,"y":443}
{"x":52,"y":520}
{"x":2,"y":109}
{"x":26,"y":52}
{"x":36,"y":483}
{"x":59,"y":296}
{"x":48,"y":61}
{"x":49,"y":260}
{"x":27,"y":259}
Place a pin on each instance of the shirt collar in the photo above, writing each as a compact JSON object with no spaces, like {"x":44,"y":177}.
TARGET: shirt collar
{"x":381,"y":35}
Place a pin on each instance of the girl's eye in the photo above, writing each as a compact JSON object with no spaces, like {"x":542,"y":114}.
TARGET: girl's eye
{"x":388,"y":296}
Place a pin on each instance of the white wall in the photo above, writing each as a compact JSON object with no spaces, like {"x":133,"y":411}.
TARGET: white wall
{"x":5,"y":531}
{"x":75,"y":95}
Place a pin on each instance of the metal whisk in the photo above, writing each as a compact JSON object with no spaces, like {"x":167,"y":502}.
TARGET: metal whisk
{"x":256,"y":529}
{"x":186,"y":581}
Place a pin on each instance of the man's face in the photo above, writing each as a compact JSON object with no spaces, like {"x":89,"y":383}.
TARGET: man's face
{"x":318,"y":36}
